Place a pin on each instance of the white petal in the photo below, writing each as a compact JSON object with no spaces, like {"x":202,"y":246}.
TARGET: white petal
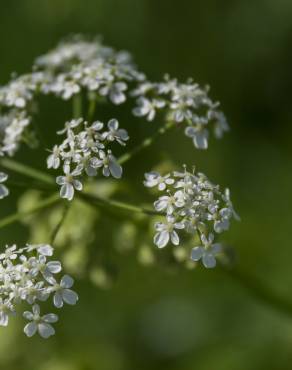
{"x":45,"y":250}
{"x":174,"y":238}
{"x":58,"y":301}
{"x":50,"y":318}
{"x":28,"y":315}
{"x":113,"y":124}
{"x":201,"y":140}
{"x":4,"y":192}
{"x":30,"y":329}
{"x":196,"y":253}
{"x":45,"y":330}
{"x":69,"y":296}
{"x":3,"y":176}
{"x":209,"y":260}
{"x":115,"y":169}
{"x":67,"y":191}
{"x":54,"y":267}
{"x":161,"y":239}
{"x":3,"y":319}
{"x":66,"y":281}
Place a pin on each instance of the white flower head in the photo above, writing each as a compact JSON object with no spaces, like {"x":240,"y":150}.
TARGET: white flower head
{"x":40,"y":324}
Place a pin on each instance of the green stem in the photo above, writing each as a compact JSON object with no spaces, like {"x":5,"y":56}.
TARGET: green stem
{"x":146,"y":143}
{"x":60,"y":223}
{"x":105,"y":203}
{"x":77,"y":106}
{"x":19,"y":215}
{"x":25,"y":170}
{"x":91,"y":109}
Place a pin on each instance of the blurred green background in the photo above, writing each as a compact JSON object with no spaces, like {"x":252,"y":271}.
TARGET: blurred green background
{"x":156,"y":318}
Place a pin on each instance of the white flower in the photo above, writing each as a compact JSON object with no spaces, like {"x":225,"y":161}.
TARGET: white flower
{"x":148,"y":108}
{"x":108,"y":163}
{"x":70,"y":125}
{"x":47,"y":269}
{"x":9,"y":253}
{"x":40,"y":324}
{"x":114,"y":133}
{"x":63,"y":293}
{"x":154,"y":179}
{"x":53,"y":160}
{"x":69,"y":182}
{"x":199,"y":134}
{"x":208,"y":252}
{"x":115,"y":91}
{"x":6,"y":309}
{"x":166,"y":232}
{"x":170,"y":202}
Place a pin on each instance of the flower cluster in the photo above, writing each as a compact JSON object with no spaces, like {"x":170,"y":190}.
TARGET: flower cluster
{"x":84,"y":151}
{"x":79,"y":64}
{"x":186,"y":103}
{"x":191,"y":203}
{"x":73,"y":66}
{"x":26,"y":275}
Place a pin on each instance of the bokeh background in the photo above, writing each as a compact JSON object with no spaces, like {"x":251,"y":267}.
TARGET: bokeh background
{"x":154,"y":317}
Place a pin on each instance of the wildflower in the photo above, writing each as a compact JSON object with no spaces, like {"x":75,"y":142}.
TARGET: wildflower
{"x":154,"y":179}
{"x":108,"y":163}
{"x":69,"y":182}
{"x":26,"y":275}
{"x":208,"y":252}
{"x":166,"y":232}
{"x":115,"y":92}
{"x":62,"y":292}
{"x":40,"y":324}
{"x":114,"y":133}
{"x":148,"y":108}
{"x":194,"y":204}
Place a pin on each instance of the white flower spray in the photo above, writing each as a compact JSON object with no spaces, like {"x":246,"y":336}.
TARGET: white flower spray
{"x":27,"y":275}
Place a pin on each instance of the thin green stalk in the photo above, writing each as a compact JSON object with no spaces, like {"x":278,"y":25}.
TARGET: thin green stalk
{"x":19,"y":215}
{"x":102,"y":202}
{"x":91,"y":109}
{"x":77,"y":106}
{"x":25,"y":170}
{"x":60,"y":223}
{"x":146,"y":143}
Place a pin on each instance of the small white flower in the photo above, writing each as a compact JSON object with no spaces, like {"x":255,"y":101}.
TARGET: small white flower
{"x":148,"y":108}
{"x":199,"y":134}
{"x":40,"y":324}
{"x":69,"y":182}
{"x":114,"y":133}
{"x":154,"y":179}
{"x":115,"y":92}
{"x":47,"y":269}
{"x":168,"y":203}
{"x":166,"y":232}
{"x":9,"y":253}
{"x":53,"y":160}
{"x":62,"y":292}
{"x":208,"y":252}
{"x":108,"y":163}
